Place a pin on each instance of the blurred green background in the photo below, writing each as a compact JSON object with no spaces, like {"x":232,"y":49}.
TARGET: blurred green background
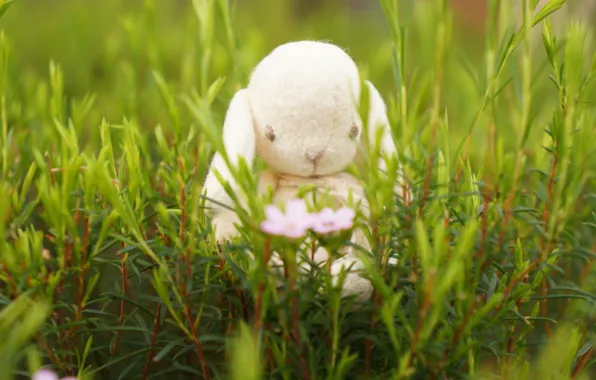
{"x":93,"y":39}
{"x":109,"y":48}
{"x":100,"y":42}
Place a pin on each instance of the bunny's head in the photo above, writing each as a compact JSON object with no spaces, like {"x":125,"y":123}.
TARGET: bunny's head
{"x":300,"y":114}
{"x":303,"y":98}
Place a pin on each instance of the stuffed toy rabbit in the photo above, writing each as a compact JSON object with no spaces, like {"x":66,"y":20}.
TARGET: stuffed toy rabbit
{"x":299,"y":114}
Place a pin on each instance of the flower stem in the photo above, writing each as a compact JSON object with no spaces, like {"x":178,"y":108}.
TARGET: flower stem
{"x":197,"y":343}
{"x":291,"y":266}
{"x":153,"y":339}
{"x":258,"y":317}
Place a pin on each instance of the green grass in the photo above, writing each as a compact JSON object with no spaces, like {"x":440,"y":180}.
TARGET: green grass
{"x":110,"y":111}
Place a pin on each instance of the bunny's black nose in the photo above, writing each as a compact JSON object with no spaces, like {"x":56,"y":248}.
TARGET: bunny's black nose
{"x":314,"y":156}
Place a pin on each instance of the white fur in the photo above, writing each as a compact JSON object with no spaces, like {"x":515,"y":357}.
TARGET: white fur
{"x":239,"y":141}
{"x":306,"y":94}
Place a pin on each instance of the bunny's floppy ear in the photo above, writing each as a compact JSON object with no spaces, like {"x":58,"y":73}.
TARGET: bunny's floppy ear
{"x":377,"y":119}
{"x":239,"y":141}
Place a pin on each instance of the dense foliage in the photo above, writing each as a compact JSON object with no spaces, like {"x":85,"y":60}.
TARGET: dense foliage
{"x":108,"y":268}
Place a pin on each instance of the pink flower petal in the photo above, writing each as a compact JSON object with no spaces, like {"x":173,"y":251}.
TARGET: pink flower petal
{"x":293,"y":224}
{"x":273,"y":228}
{"x":326,"y":214}
{"x":344,"y":218}
{"x":298,"y":215}
{"x":345,"y":213}
{"x":324,"y":229}
{"x":273,"y":213}
{"x":45,"y":374}
{"x":328,"y":221}
{"x":305,"y":223}
{"x":323,"y":222}
{"x":296,"y":209}
{"x":295,"y":232}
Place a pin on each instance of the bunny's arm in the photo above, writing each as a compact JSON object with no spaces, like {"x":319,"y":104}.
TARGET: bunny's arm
{"x":378,"y":119}
{"x":239,"y":141}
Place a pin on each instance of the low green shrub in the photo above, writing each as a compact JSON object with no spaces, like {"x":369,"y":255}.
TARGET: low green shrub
{"x":108,"y":266}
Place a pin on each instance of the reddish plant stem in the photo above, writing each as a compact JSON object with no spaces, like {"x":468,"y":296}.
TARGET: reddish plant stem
{"x":588,"y":266}
{"x":65,"y":259}
{"x":406,"y":194}
{"x":486,"y":196}
{"x":446,"y":225}
{"x":270,"y":358}
{"x":421,"y":317}
{"x":330,"y":340}
{"x":544,"y":308}
{"x":243,"y":304}
{"x":260,"y":289}
{"x":186,"y":258}
{"x":220,"y":297}
{"x":409,"y":224}
{"x":196,"y":156}
{"x":582,"y":363}
{"x":331,"y":324}
{"x":67,"y":252}
{"x":185,"y":291}
{"x":426,"y":188}
{"x":10,"y":283}
{"x":367,"y":356}
{"x":197,"y":343}
{"x":546,"y":245}
{"x":178,"y":275}
{"x":465,"y":157}
{"x":586,"y":269}
{"x":153,"y":339}
{"x":296,"y":326}
{"x":373,"y":325}
{"x":43,"y":344}
{"x":124,"y":274}
{"x":460,"y":330}
{"x":183,"y":214}
{"x":76,"y":215}
{"x":511,"y":340}
{"x":258,"y":309}
{"x":377,"y":299}
{"x":484,"y":227}
{"x":188,"y":270}
{"x":368,"y":346}
{"x":508,"y":213}
{"x":230,"y":324}
{"x":508,"y":209}
{"x":551,"y":181}
{"x":520,"y":277}
{"x":64,"y":337}
{"x":81,"y":277}
{"x":49,"y":162}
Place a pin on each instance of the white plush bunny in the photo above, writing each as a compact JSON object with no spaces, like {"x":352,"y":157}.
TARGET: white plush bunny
{"x":299,"y":113}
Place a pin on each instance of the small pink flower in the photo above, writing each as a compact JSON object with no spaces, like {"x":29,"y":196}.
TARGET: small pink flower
{"x":44,"y":374}
{"x":47,"y":374}
{"x":328,"y":221}
{"x":293,"y":224}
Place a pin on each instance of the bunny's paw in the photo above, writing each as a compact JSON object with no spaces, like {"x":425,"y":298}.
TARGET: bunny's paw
{"x":354,"y":283}
{"x":225,"y":226}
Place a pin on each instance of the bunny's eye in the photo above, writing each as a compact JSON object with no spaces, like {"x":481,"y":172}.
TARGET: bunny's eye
{"x":354,"y":131}
{"x":270,"y":133}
